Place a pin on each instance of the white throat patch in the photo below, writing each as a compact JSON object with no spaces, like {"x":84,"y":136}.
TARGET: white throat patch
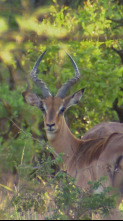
{"x":50,"y":135}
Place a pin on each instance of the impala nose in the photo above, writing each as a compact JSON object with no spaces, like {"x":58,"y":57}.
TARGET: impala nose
{"x":50,"y":127}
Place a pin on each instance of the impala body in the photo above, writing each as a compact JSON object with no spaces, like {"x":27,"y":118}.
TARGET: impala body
{"x":100,"y":151}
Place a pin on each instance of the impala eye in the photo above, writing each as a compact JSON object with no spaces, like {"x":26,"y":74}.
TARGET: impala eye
{"x":62,"y":110}
{"x":42,"y":107}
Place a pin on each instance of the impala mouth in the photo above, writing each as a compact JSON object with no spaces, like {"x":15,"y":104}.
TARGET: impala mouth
{"x":51,"y":130}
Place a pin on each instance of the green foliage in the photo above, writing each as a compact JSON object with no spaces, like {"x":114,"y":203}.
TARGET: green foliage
{"x":86,"y":30}
{"x":59,"y":198}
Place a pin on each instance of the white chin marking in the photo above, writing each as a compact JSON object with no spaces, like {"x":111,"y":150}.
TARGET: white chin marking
{"x":50,"y":135}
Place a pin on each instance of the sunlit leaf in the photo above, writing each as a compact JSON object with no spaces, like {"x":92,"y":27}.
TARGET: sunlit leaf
{"x":3,"y":25}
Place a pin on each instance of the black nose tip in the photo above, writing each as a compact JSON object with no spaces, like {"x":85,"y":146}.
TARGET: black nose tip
{"x":50,"y":125}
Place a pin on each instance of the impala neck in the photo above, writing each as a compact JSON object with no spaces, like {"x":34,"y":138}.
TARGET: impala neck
{"x":65,"y":142}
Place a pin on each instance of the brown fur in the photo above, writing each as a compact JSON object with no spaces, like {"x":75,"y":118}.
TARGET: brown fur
{"x":91,"y":149}
{"x":95,"y":142}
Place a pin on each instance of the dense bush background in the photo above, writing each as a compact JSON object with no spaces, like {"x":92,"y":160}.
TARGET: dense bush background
{"x":90,"y":31}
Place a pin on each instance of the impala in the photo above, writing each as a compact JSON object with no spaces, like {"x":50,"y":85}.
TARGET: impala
{"x":100,"y":151}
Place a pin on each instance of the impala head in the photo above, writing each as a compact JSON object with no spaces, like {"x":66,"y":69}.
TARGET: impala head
{"x":53,"y":107}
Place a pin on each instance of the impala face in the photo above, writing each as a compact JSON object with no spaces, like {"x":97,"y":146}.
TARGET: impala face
{"x":53,"y":109}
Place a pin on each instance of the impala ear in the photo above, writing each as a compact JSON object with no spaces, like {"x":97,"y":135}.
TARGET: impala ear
{"x":32,"y":99}
{"x":74,"y":99}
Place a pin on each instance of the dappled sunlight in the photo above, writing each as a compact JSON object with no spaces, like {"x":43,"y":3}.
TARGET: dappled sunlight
{"x":121,"y":206}
{"x":3,"y":25}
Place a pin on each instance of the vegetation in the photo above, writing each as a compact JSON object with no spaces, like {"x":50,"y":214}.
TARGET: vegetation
{"x":31,"y":184}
